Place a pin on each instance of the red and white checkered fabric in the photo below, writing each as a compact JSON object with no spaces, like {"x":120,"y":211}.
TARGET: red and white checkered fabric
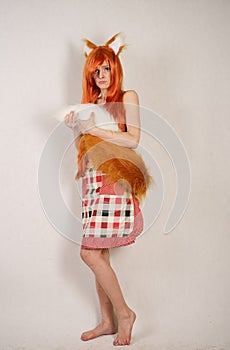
{"x":104,"y":213}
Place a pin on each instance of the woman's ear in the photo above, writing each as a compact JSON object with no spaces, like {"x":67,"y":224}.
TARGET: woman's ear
{"x":88,"y":47}
{"x":116,"y":43}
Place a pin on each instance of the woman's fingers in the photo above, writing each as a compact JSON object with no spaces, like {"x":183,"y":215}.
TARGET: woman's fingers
{"x":71,"y":119}
{"x":86,"y":126}
{"x":67,"y":119}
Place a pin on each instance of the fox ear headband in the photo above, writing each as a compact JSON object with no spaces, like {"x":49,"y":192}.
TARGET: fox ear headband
{"x":116,"y":43}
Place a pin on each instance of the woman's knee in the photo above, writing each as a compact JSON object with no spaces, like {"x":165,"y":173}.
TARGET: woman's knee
{"x":106,"y":255}
{"x":91,"y":256}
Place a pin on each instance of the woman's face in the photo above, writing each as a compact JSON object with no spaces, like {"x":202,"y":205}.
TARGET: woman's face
{"x":102,"y":75}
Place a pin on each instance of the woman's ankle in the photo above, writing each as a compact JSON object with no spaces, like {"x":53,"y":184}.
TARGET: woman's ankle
{"x":109,"y":322}
{"x":124,"y":313}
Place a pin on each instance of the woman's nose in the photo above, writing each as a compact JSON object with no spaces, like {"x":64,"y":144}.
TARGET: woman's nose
{"x":101,"y":73}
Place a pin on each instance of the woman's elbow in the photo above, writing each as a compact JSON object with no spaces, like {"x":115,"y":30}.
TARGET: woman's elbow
{"x":134,"y":139}
{"x":134,"y":143}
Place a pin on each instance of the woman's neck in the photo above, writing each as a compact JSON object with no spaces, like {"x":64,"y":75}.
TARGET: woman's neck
{"x":103,"y":95}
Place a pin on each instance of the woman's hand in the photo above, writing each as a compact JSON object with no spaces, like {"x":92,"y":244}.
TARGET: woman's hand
{"x":83,"y":126}
{"x":71,"y":119}
{"x":86,"y":126}
{"x":131,"y":137}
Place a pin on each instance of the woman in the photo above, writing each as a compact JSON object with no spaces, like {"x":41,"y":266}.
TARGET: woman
{"x":112,"y":184}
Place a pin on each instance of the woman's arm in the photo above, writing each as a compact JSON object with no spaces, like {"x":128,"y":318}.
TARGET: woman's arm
{"x":131,"y":137}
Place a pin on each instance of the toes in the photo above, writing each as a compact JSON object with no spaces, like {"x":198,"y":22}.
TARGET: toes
{"x":87,"y":336}
{"x":118,"y":342}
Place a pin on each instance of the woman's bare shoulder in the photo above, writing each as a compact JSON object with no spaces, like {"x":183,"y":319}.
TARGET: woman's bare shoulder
{"x":130,"y":96}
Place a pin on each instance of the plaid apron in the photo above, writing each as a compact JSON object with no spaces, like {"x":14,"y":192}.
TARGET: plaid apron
{"x":104,"y":213}
{"x":110,"y":219}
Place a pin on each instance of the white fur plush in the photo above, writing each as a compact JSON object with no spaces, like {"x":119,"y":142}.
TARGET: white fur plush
{"x":102,"y":118}
{"x":117,"y":43}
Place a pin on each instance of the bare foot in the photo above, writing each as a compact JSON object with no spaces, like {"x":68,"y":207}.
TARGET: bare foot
{"x":125,"y":325}
{"x":101,"y":329}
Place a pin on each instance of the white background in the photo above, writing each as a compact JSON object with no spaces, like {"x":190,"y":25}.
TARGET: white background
{"x":178,"y":62}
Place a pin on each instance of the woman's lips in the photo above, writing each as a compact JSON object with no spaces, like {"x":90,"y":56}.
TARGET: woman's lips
{"x":102,"y":82}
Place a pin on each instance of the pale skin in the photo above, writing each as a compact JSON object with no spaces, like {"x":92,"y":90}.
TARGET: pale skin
{"x":109,"y":291}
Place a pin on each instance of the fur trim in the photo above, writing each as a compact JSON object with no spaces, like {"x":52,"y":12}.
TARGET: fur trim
{"x":88,"y":47}
{"x":122,"y":165}
{"x":116,"y":43}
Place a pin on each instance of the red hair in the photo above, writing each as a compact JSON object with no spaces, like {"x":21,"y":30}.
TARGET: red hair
{"x":117,"y":162}
{"x":115,"y":93}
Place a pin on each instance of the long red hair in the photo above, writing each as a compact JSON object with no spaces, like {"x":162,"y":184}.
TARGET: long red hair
{"x":115,"y":93}
{"x":117,"y":162}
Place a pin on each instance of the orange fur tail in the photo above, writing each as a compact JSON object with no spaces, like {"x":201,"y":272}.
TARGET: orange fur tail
{"x":120,"y":164}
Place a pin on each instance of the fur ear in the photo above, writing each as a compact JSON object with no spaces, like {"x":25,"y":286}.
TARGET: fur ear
{"x":88,"y":47}
{"x":116,"y":43}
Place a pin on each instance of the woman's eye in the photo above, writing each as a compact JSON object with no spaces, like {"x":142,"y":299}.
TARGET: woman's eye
{"x":96,"y":71}
{"x":107,"y":69}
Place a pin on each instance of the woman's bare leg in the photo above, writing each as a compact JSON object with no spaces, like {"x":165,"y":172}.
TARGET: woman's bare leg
{"x":107,"y":325}
{"x":105,"y":303}
{"x":107,"y":279}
